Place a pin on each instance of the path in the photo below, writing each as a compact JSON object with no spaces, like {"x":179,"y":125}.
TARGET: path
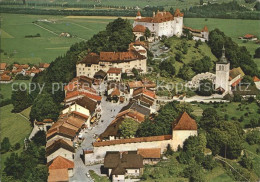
{"x":107,"y":116}
{"x":54,"y":32}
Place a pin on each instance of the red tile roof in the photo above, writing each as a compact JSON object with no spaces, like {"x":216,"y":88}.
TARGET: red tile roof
{"x":249,"y":36}
{"x":132,"y":140}
{"x":236,"y":82}
{"x":184,"y":122}
{"x":159,"y":17}
{"x":205,"y":29}
{"x":135,"y":84}
{"x":5,"y":77}
{"x":139,"y":28}
{"x":150,"y":153}
{"x":145,"y":92}
{"x":114,"y":70}
{"x":178,"y":13}
{"x":138,"y":13}
{"x":80,"y":114}
{"x":60,"y":163}
{"x":3,"y":66}
{"x":256,"y":79}
{"x":115,"y":92}
{"x":58,"y":175}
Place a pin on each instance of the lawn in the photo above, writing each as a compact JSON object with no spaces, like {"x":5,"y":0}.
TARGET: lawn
{"x":6,"y":89}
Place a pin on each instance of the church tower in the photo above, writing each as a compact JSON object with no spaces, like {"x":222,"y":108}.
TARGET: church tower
{"x":222,"y":73}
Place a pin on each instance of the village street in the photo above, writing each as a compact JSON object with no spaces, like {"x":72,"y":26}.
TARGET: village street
{"x":80,"y":170}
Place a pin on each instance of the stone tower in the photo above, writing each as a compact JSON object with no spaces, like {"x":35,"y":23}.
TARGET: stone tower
{"x":222,"y":73}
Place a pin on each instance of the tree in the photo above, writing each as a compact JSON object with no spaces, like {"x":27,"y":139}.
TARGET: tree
{"x":201,"y":2}
{"x":147,"y":33}
{"x":20,"y":99}
{"x":128,"y":128}
{"x":185,"y":72}
{"x":246,"y":162}
{"x":178,"y":56}
{"x":198,"y":43}
{"x":194,"y":172}
{"x":167,"y":66}
{"x":40,"y":138}
{"x":257,"y":53}
{"x":5,"y":145}
{"x":202,"y":65}
{"x":44,"y":108}
{"x":13,"y":166}
{"x":205,"y":88}
{"x":253,"y":137}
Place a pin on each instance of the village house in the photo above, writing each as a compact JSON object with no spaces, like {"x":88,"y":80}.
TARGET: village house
{"x":183,"y":127}
{"x":235,"y":76}
{"x":43,"y":66}
{"x":150,"y":156}
{"x":144,"y":97}
{"x":4,"y":78}
{"x":121,"y":165}
{"x":60,"y":169}
{"x":257,"y":82}
{"x":160,"y":24}
{"x":202,"y":35}
{"x":83,"y":107}
{"x":3,"y":67}
{"x":60,"y":148}
{"x":114,"y":74}
{"x":126,"y":61}
{"x":249,"y":37}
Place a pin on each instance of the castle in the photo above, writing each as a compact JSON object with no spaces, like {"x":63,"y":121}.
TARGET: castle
{"x":162,"y":23}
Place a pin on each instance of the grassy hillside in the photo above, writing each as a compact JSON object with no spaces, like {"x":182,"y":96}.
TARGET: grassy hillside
{"x":232,"y":28}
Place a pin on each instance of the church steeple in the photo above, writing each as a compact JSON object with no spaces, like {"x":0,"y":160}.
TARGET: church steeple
{"x":223,"y":59}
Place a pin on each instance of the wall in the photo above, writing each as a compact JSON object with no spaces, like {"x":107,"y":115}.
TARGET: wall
{"x":61,"y":152}
{"x":77,"y":108}
{"x":179,"y":136}
{"x":222,"y":76}
{"x":118,"y":178}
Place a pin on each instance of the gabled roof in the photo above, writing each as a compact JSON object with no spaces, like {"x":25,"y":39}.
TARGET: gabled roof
{"x":150,"y":153}
{"x":249,"y":36}
{"x":256,"y":79}
{"x":91,"y":58}
{"x":100,"y":73}
{"x":159,"y":17}
{"x":178,"y":13}
{"x":136,"y":107}
{"x":115,"y":92}
{"x":57,"y":145}
{"x":235,"y":72}
{"x":145,"y":92}
{"x":184,"y":122}
{"x":135,"y":84}
{"x":87,"y":103}
{"x":5,"y":77}
{"x":60,"y":163}
{"x":119,"y":163}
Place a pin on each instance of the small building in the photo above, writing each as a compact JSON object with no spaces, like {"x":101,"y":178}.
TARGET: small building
{"x":60,"y":148}
{"x":249,"y":37}
{"x":2,"y":67}
{"x":139,"y":31}
{"x":43,"y":66}
{"x":150,"y":155}
{"x":60,"y":169}
{"x":122,"y":165}
{"x":100,"y":75}
{"x":114,"y":74}
{"x":202,"y":35}
{"x":257,"y":82}
{"x":235,"y":76}
{"x":4,"y":78}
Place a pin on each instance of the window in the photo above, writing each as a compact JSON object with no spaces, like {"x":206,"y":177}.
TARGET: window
{"x":135,"y":171}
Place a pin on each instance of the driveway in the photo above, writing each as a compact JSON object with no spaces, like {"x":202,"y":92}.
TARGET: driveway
{"x":107,"y":116}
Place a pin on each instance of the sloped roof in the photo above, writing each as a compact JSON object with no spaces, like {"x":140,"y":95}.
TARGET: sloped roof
{"x":235,"y":72}
{"x":57,"y":145}
{"x":114,"y":70}
{"x":5,"y":77}
{"x":178,"y":13}
{"x":249,"y":36}
{"x":115,"y":92}
{"x":256,"y":79}
{"x":87,"y":103}
{"x":58,"y":175}
{"x":60,"y":163}
{"x":135,"y":84}
{"x":3,"y":66}
{"x":150,"y":153}
{"x":159,"y":17}
{"x":184,"y":122}
{"x":91,"y":58}
{"x":138,"y":13}
{"x":132,"y":140}
{"x":136,"y":107}
{"x":139,"y":28}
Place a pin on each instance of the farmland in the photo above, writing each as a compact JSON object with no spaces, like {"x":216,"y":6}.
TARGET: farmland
{"x":50,"y":45}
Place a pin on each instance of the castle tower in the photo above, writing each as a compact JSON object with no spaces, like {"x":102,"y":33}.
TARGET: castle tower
{"x":222,"y":73}
{"x":178,"y":23}
{"x":138,"y":15}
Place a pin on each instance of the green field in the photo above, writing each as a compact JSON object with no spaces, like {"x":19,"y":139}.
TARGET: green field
{"x":47,"y":47}
{"x":6,"y":89}
{"x":140,"y":3}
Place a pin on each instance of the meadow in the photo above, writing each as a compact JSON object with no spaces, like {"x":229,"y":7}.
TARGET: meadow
{"x":50,"y":45}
